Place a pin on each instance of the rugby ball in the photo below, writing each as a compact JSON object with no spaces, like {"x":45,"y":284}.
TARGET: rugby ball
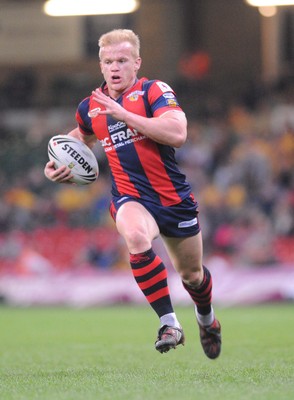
{"x":76,"y":155}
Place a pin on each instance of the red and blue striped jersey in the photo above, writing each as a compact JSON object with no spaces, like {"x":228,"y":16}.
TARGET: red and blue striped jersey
{"x":139,"y":166}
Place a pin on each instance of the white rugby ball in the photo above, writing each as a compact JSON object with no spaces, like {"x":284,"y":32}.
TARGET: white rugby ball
{"x":69,"y":151}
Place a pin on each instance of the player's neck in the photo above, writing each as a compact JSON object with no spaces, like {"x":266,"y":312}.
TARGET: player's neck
{"x":116,"y":94}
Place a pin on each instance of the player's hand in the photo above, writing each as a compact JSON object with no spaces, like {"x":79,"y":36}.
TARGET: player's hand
{"x":111,"y":107}
{"x":59,"y":175}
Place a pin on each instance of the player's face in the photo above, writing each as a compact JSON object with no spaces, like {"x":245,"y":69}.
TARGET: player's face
{"x":119,"y":67}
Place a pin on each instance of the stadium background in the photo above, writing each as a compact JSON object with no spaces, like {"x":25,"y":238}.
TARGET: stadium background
{"x":232,"y":70}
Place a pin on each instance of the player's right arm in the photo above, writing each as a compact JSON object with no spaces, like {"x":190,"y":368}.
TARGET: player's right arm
{"x":63,"y":174}
{"x":60,"y":175}
{"x":89,"y":140}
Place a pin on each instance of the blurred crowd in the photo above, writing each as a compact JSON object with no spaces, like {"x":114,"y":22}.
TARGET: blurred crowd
{"x":242,"y":171}
{"x":239,"y":160}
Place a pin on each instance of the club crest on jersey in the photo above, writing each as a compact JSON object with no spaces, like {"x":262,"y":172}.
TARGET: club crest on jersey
{"x":171,"y":102}
{"x":93,"y":113}
{"x":135,"y":95}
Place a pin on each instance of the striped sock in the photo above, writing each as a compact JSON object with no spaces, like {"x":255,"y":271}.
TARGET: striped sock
{"x":202,"y":294}
{"x":151,"y":276}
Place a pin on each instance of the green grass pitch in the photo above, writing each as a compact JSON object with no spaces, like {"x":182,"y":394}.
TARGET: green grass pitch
{"x":108,"y":354}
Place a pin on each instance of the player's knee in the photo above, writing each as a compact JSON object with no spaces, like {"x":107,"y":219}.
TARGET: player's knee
{"x":193,"y":277}
{"x":137,"y":240}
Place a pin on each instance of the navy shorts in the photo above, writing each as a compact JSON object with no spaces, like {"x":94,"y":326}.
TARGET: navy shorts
{"x":180,"y":220}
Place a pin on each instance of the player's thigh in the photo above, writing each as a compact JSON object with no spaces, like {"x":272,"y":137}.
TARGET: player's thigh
{"x":136,"y":224}
{"x":186,"y":253}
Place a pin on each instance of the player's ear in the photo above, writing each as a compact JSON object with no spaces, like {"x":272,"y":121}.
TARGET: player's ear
{"x":138,"y":63}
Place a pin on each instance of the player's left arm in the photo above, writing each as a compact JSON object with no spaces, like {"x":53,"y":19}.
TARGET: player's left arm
{"x":169,"y":128}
